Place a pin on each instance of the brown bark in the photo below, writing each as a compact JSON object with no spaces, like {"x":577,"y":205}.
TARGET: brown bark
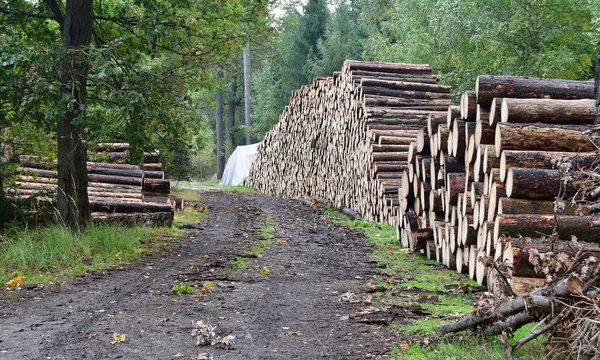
{"x":148,"y":174}
{"x":127,"y":207}
{"x":550,"y":111}
{"x":73,"y":204}
{"x":468,"y":106}
{"x":114,"y":179}
{"x":157,"y":186}
{"x":147,"y":219}
{"x":385,"y":67}
{"x":488,"y":87}
{"x":533,"y":225}
{"x":543,"y":137}
{"x":540,"y":184}
{"x":544,"y":160}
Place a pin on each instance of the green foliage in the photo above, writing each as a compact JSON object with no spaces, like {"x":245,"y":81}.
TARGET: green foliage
{"x":464,"y":39}
{"x":342,"y":41}
{"x":55,"y":252}
{"x":182,"y":289}
{"x":150,"y":63}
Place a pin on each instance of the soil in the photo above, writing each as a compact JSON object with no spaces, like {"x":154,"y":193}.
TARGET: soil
{"x":303,"y":309}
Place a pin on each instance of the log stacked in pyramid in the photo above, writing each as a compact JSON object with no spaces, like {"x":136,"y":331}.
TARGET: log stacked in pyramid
{"x":347,"y":138}
{"x":485,"y":183}
{"x":117,"y":191}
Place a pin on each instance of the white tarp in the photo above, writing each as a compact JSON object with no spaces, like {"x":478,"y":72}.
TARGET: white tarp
{"x":238,"y":164}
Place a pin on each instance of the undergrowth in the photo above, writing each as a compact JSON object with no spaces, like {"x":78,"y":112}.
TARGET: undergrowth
{"x":443,"y":294}
{"x":55,"y":253}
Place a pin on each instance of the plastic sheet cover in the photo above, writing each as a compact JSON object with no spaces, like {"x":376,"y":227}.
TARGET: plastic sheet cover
{"x":238,"y":164}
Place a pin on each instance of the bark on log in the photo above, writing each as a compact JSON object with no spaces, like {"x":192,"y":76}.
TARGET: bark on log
{"x":540,"y":184}
{"x":113,"y":179}
{"x":126,"y":207}
{"x":544,"y":137}
{"x":147,"y":219}
{"x":533,"y":225}
{"x":488,"y":87}
{"x":157,"y":186}
{"x":544,"y":160}
{"x":550,"y":111}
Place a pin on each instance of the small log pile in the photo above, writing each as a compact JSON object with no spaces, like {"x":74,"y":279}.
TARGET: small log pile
{"x":492,"y":185}
{"x":348,"y":138}
{"x":115,"y":190}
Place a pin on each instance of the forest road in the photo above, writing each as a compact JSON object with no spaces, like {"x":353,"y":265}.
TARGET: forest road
{"x":298,"y":311}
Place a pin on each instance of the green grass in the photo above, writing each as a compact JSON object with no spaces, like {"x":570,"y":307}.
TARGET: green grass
{"x":266,"y":238}
{"x":55,"y":253}
{"x":212,"y":183}
{"x":425,"y":283}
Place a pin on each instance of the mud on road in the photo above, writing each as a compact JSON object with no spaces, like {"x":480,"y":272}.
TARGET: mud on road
{"x":298,"y":311}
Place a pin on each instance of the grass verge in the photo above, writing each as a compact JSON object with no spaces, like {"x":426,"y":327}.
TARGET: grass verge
{"x":414,"y":280}
{"x":207,"y":185}
{"x":55,"y":253}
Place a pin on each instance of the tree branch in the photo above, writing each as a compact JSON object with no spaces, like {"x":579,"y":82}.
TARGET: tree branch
{"x":4,"y":10}
{"x":58,"y":15}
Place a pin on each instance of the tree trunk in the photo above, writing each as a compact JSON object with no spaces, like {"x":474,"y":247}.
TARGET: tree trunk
{"x":597,"y":84}
{"x":247,"y":95}
{"x":231,"y":107}
{"x":73,"y":204}
{"x":219,"y":127}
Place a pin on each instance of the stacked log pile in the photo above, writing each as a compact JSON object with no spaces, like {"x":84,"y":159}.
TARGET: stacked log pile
{"x":348,"y":138}
{"x":484,"y":191}
{"x":115,"y":190}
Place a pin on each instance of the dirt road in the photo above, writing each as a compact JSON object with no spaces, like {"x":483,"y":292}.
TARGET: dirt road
{"x":298,"y":311}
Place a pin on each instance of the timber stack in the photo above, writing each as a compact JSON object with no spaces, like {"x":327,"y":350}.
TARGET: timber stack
{"x":348,"y":138}
{"x":118,"y":192}
{"x":506,"y":181}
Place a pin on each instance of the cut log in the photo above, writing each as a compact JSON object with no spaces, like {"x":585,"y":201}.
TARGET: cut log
{"x":153,"y":166}
{"x":147,"y":219}
{"x":507,"y":206}
{"x":544,"y":137}
{"x":488,"y":87}
{"x":114,"y":179}
{"x":550,"y":111}
{"x":468,"y":106}
{"x":534,"y":225}
{"x":545,"y":160}
{"x":149,"y":174}
{"x":540,"y":184}
{"x":157,"y":186}
{"x":123,"y":207}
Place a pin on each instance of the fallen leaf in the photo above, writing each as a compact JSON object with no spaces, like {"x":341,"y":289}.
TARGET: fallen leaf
{"x":390,"y":280}
{"x":265,"y":271}
{"x":15,"y":282}
{"x":280,"y":242}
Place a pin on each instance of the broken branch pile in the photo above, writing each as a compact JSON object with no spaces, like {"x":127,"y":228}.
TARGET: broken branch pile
{"x":347,"y":138}
{"x":567,"y":309}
